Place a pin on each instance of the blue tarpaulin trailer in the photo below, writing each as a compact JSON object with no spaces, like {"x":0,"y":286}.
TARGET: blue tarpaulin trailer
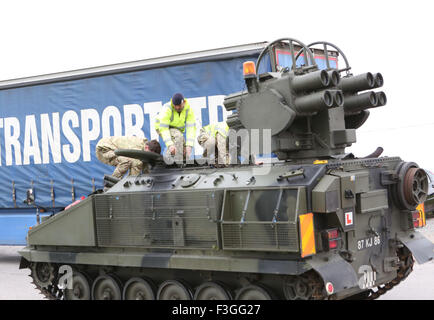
{"x":50,"y":124}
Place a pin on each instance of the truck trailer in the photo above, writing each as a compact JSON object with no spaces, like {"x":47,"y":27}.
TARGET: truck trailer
{"x":50,"y":124}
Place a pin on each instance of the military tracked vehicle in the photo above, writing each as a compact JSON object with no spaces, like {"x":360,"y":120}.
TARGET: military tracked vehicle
{"x":317,"y":223}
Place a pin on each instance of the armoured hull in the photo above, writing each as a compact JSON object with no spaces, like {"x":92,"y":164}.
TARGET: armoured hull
{"x":240,"y":227}
{"x":319,"y":224}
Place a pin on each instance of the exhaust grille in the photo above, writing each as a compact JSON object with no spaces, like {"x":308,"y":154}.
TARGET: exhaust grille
{"x":262,"y":220}
{"x":164,"y":220}
{"x":260,"y":236}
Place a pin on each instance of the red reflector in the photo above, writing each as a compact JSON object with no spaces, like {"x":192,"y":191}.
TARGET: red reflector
{"x":417,"y":219}
{"x":333,"y":234}
{"x":333,"y":244}
{"x":329,"y":287}
{"x":330,"y":239}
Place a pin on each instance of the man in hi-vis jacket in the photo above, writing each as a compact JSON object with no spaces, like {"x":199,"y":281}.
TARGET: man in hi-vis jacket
{"x":173,"y":120}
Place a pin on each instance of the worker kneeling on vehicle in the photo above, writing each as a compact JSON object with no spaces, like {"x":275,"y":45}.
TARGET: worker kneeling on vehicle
{"x":105,"y":152}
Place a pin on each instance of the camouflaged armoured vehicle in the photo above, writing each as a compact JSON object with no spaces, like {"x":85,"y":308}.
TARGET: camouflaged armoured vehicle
{"x":320,"y":224}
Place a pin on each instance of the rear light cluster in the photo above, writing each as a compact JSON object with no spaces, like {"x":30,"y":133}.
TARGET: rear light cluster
{"x":331,"y":239}
{"x":418,"y":219}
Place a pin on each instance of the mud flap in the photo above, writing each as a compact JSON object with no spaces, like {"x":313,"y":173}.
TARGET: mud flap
{"x":336,"y":271}
{"x":421,"y":248}
{"x":24,"y":263}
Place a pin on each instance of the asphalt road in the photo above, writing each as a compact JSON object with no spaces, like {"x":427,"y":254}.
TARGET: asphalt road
{"x":15,"y":284}
{"x":420,"y":283}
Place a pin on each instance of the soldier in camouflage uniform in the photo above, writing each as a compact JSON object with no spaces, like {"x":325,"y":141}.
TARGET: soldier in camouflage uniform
{"x":105,"y":153}
{"x":212,"y":137}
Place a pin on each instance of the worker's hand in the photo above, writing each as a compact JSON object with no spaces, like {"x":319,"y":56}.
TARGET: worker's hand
{"x":187,"y":152}
{"x":172,"y":149}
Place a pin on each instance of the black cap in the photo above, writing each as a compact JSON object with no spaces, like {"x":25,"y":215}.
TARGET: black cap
{"x":177,"y":99}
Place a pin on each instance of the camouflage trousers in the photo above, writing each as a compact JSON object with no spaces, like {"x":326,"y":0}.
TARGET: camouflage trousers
{"x":212,"y":144}
{"x":122,"y":164}
{"x":179,"y":142}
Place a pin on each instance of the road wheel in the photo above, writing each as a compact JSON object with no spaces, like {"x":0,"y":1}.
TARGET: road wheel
{"x":106,"y":287}
{"x":80,"y":287}
{"x":253,"y":292}
{"x":211,"y":291}
{"x":139,"y":289}
{"x":173,"y":290}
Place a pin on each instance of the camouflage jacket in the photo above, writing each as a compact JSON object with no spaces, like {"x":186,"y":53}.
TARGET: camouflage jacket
{"x":122,"y":142}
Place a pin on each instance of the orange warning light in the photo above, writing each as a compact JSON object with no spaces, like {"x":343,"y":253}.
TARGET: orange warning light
{"x":249,"y":68}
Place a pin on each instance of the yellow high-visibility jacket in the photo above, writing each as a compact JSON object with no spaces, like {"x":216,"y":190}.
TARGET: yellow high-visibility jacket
{"x":183,"y":121}
{"x":220,"y":127}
